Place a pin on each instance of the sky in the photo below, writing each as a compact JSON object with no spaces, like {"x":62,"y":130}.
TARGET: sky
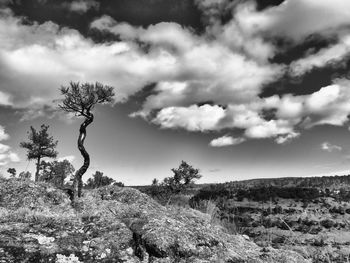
{"x":238,"y":89}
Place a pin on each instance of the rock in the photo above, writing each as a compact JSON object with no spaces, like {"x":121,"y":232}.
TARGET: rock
{"x":114,"y":224}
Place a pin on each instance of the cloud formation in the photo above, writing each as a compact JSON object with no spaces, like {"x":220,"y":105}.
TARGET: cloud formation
{"x":330,"y":56}
{"x":226,"y":141}
{"x":69,"y":158}
{"x":326,"y":146}
{"x":206,"y":81}
{"x":81,"y":6}
{"x":296,"y":19}
{"x":6,"y":154}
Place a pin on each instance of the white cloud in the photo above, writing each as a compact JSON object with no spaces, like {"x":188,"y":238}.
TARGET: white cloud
{"x":283,"y":139}
{"x":329,"y":105}
{"x":82,"y":6}
{"x":3,"y":134}
{"x":6,"y":155}
{"x":193,"y":118}
{"x":327,"y":56}
{"x":268,"y":129}
{"x":5,"y":99}
{"x":326,"y":146}
{"x":227,"y":65}
{"x":69,"y":158}
{"x":226,"y":141}
{"x":297,"y":19}
{"x":4,"y":148}
{"x":164,"y":33}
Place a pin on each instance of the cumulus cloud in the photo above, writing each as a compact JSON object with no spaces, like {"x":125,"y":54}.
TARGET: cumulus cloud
{"x":187,"y":68}
{"x":193,"y":118}
{"x":6,"y":154}
{"x":330,"y":56}
{"x":82,"y":6}
{"x":63,"y":54}
{"x":226,"y":141}
{"x":203,"y":82}
{"x":296,"y":19}
{"x":3,"y":134}
{"x":69,"y":158}
{"x":326,"y":146}
{"x":283,"y":139}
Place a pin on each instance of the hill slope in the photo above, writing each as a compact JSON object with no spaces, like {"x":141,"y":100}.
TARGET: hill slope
{"x":113,"y":224}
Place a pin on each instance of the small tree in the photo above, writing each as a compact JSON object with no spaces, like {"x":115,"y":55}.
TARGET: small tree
{"x":81,"y":99}
{"x":155,"y":181}
{"x":12,"y":172}
{"x":40,"y":145}
{"x":25,"y":175}
{"x":99,"y":180}
{"x":183,"y":177}
{"x":56,"y":172}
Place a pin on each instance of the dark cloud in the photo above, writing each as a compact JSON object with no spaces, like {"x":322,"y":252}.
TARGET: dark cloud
{"x":135,"y":12}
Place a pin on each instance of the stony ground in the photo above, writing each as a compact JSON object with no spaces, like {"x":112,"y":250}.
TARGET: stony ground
{"x":112,"y":224}
{"x":319,"y":230}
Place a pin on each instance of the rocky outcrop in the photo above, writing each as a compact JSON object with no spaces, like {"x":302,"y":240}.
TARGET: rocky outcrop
{"x":114,"y":224}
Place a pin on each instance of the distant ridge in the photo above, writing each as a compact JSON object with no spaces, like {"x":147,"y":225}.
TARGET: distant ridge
{"x":332,"y":182}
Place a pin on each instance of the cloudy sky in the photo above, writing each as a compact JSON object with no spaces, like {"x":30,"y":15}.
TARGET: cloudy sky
{"x":239,"y":89}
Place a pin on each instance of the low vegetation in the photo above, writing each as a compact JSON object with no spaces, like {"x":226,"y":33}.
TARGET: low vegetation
{"x":114,"y":224}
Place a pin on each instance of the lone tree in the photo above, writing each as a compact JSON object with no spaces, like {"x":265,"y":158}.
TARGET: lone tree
{"x":40,"y":145}
{"x":80,"y":99}
{"x":12,"y":171}
{"x":183,"y":178}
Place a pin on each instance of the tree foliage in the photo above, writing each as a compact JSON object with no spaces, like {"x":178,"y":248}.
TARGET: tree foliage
{"x":56,"y":172}
{"x":40,"y":145}
{"x":99,"y":180}
{"x":25,"y":175}
{"x":12,"y":172}
{"x":183,"y":178}
{"x":81,"y":99}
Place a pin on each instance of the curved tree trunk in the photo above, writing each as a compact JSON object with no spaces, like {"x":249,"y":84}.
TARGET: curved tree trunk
{"x":78,"y":183}
{"x":37,"y":170}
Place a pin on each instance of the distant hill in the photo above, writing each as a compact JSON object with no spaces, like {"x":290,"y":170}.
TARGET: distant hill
{"x":331,"y":182}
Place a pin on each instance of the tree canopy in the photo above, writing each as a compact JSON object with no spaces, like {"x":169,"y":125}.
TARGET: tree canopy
{"x":183,"y":177}
{"x":98,"y":180}
{"x":81,"y":99}
{"x":56,"y":172}
{"x":40,"y":145}
{"x":12,"y":172}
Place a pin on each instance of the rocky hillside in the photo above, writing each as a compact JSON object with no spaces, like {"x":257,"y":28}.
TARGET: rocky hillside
{"x":113,"y":224}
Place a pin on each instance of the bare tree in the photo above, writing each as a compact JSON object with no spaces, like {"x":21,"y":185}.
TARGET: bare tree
{"x":81,"y":99}
{"x":40,"y":145}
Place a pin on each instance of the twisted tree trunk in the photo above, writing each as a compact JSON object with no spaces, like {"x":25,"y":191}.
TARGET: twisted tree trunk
{"x":37,"y":170}
{"x":78,"y":183}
